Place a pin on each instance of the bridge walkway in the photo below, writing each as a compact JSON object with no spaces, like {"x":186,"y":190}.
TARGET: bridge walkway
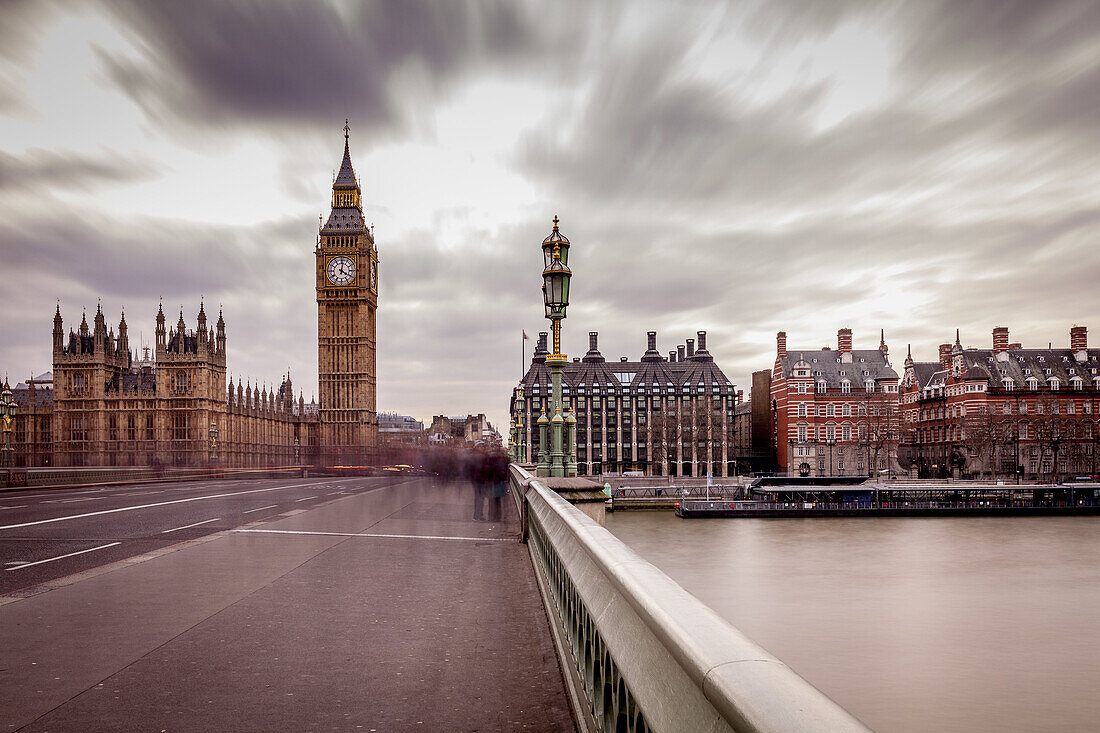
{"x":392,"y":609}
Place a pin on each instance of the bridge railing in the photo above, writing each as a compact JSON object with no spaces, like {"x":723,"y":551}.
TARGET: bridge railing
{"x":645,"y":653}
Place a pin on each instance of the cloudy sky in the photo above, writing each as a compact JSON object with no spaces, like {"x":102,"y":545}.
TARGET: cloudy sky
{"x":742,"y":168}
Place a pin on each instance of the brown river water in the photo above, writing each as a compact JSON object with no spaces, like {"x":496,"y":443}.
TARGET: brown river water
{"x":932,"y":624}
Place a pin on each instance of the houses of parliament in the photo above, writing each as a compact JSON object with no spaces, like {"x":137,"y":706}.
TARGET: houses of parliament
{"x":172,"y":405}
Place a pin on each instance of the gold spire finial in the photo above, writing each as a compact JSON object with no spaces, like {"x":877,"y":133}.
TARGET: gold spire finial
{"x":555,"y":222}
{"x":347,"y":129}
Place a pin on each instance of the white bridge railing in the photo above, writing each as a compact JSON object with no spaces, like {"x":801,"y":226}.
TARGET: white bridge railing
{"x":645,"y":654}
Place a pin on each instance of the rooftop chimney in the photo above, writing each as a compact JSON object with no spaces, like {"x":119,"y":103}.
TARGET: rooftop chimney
{"x":781,"y":343}
{"x":844,"y":344}
{"x":540,"y":348}
{"x":672,"y":356}
{"x":945,"y":356}
{"x":680,"y":353}
{"x":593,"y":354}
{"x":691,"y":348}
{"x":1000,"y":339}
{"x":1079,"y":342}
{"x":651,"y":353}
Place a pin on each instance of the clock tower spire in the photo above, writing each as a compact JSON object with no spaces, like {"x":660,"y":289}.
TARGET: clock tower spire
{"x":347,"y":299}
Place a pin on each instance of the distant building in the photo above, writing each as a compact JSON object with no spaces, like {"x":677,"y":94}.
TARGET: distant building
{"x":836,"y":411}
{"x":664,"y":416}
{"x":753,"y":430}
{"x":400,"y":429}
{"x":100,"y":406}
{"x":990,"y":411}
{"x":467,"y":430}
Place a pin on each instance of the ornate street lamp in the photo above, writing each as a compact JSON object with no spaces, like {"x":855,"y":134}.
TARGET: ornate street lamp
{"x":297,"y":452}
{"x":555,"y":295}
{"x":213,"y":442}
{"x":521,"y":430}
{"x":7,"y":413}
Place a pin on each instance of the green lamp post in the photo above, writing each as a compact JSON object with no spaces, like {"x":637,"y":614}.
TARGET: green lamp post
{"x":543,"y":468}
{"x":213,"y":442}
{"x":7,"y":413}
{"x":555,"y":295}
{"x":521,"y":429}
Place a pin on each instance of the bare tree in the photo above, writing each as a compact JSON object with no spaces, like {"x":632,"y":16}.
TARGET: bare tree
{"x":985,"y":433}
{"x":1053,"y":431}
{"x":878,"y":433}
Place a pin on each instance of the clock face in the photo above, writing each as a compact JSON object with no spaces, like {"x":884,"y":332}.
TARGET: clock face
{"x":341,"y":270}
{"x":374,"y":275}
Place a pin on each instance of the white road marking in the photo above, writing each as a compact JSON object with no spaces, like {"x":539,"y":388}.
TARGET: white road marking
{"x":139,"y":493}
{"x":20,"y":506}
{"x":70,"y":501}
{"x":259,"y":509}
{"x":159,"y":503}
{"x":188,"y":526}
{"x":386,"y":536}
{"x":305,"y":498}
{"x":62,"y":557}
{"x":334,"y":493}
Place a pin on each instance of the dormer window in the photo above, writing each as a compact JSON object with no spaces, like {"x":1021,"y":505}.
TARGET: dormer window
{"x":1042,"y":359}
{"x":1027,"y":371}
{"x":1009,"y":383}
{"x":1054,"y":383}
{"x":869,"y":385}
{"x":1048,"y":372}
{"x":845,"y":386}
{"x":1032,"y":383}
{"x":821,"y":386}
{"x":1077,"y":382}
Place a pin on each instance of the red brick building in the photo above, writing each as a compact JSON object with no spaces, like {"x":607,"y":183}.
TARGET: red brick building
{"x":988,"y":411}
{"x":835,"y":412}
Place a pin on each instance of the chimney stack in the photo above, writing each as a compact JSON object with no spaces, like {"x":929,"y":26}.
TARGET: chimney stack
{"x":679,"y":353}
{"x":690,"y":348}
{"x":702,"y":340}
{"x":1000,"y":339}
{"x":651,"y":353}
{"x":672,"y":356}
{"x":593,"y":354}
{"x":1079,"y":338}
{"x":781,"y":344}
{"x":844,"y":343}
{"x":945,"y":356}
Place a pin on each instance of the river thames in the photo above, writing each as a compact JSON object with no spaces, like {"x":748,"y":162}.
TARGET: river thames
{"x":911,"y":624}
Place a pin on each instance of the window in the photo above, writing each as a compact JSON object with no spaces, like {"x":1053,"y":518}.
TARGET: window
{"x":802,"y":409}
{"x":802,"y":388}
{"x":78,"y":428}
{"x":845,"y":386}
{"x":869,"y":385}
{"x":821,"y":385}
{"x":801,"y":433}
{"x":1054,"y":383}
{"x":847,"y":432}
{"x":1032,"y":383}
{"x":830,"y":411}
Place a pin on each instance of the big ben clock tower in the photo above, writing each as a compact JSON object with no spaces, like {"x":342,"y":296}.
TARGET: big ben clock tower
{"x":347,"y":298}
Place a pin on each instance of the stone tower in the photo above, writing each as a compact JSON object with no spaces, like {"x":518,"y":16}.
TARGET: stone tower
{"x":347,"y":298}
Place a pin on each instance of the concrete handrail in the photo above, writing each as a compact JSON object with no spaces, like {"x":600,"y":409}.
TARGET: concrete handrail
{"x":654,"y":657}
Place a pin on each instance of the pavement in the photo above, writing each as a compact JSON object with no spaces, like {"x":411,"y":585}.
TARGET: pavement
{"x":375,"y":605}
